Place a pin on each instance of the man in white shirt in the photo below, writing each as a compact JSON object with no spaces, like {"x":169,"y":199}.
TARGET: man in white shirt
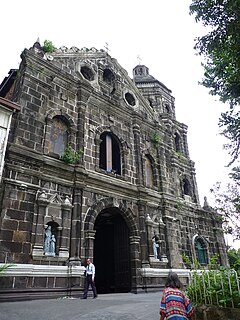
{"x":90,"y":275}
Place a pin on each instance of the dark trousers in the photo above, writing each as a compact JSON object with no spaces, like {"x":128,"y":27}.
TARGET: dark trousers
{"x":88,"y":281}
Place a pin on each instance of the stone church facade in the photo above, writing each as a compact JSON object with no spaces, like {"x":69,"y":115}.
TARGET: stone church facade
{"x":97,"y":166}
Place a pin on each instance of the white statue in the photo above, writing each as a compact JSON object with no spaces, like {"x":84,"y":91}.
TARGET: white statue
{"x":155,"y":247}
{"x":52,"y":245}
{"x":47,"y":240}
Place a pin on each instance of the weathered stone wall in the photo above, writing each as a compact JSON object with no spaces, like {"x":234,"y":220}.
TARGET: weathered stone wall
{"x":29,"y":281}
{"x":38,"y":188}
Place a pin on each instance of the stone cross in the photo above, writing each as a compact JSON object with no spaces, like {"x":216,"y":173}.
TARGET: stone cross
{"x":139,"y":59}
{"x":106,"y":47}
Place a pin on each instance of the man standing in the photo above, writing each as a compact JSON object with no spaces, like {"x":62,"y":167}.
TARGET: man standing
{"x":90,"y":275}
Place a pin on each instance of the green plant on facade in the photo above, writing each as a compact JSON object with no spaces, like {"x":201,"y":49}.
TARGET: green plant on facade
{"x":48,"y":46}
{"x":179,"y":204}
{"x":217,"y":286}
{"x":186,"y":260}
{"x":4,"y":267}
{"x":70,"y":156}
{"x":156,"y":139}
{"x":180,"y":155}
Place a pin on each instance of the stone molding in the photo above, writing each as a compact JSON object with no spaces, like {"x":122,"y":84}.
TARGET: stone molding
{"x":163,"y":273}
{"x":33,"y":270}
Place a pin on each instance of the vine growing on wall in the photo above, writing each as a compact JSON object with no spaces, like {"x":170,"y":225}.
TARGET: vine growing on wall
{"x":186,"y":260}
{"x":70,"y":156}
{"x":179,"y":204}
{"x":156,"y":139}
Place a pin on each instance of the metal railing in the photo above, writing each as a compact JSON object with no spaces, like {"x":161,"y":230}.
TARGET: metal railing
{"x":215,"y":287}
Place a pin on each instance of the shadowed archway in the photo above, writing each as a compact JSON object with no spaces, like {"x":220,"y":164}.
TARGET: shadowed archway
{"x":112,"y":252}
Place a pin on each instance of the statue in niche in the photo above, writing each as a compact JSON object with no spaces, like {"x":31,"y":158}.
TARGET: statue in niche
{"x":52,"y":245}
{"x":155,"y":241}
{"x":49,"y":242}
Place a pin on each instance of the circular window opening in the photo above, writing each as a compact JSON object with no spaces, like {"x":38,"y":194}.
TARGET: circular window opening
{"x":87,"y":73}
{"x":130,"y":99}
{"x":108,"y":76}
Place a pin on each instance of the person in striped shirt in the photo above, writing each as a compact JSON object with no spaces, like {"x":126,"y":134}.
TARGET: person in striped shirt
{"x":174,"y":303}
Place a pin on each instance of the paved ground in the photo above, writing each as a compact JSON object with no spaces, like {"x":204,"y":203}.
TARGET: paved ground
{"x":120,"y":306}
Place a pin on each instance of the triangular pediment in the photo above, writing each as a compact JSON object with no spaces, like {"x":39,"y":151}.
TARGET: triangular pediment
{"x":55,"y":199}
{"x":90,"y":65}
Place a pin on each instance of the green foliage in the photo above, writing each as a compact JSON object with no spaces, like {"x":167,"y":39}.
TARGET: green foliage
{"x":220,"y":46}
{"x":71,"y":156}
{"x":48,"y":46}
{"x":179,"y":204}
{"x":230,"y":122}
{"x":214,"y":263}
{"x":156,"y":139}
{"x":180,"y":155}
{"x":216,"y":286}
{"x":186,"y":260}
{"x":234,"y":259}
{"x":227,"y":204}
{"x":221,"y":49}
{"x":4,"y":267}
{"x":197,"y":265}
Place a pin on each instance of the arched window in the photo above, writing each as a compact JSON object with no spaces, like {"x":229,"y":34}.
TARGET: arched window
{"x":58,"y":136}
{"x":149,"y":178}
{"x":110,"y":158}
{"x":177,"y":141}
{"x":186,"y":187}
{"x":108,"y":76}
{"x":201,"y":251}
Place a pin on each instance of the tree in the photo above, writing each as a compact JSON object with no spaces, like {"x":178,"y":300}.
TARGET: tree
{"x":220,"y":48}
{"x":234,"y":259}
{"x":227,"y":204}
{"x":230,"y":121}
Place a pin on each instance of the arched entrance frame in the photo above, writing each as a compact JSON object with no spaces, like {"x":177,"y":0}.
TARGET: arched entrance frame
{"x":134,"y":238}
{"x":198,"y":237}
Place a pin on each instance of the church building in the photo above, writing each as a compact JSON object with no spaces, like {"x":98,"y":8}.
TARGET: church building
{"x":97,"y":166}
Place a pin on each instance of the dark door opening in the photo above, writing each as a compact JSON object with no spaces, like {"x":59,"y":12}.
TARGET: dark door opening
{"x":112,"y":253}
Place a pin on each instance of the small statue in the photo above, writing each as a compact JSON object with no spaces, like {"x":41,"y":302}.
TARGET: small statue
{"x":49,"y":242}
{"x":52,"y":245}
{"x":155,"y":246}
{"x":206,"y":205}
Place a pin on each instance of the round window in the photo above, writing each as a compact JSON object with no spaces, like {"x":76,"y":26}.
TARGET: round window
{"x":87,"y":73}
{"x":130,"y":99}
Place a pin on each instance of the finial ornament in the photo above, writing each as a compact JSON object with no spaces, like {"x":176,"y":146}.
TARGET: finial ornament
{"x":139,"y":59}
{"x":106,"y":47}
{"x":206,"y":204}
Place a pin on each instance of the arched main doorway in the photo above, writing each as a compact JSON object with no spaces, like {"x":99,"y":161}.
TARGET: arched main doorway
{"x":112,"y":252}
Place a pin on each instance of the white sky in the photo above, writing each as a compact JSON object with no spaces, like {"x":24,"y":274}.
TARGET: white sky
{"x":161,"y":32}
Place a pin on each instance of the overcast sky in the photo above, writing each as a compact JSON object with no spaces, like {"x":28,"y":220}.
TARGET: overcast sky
{"x":161,"y":32}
